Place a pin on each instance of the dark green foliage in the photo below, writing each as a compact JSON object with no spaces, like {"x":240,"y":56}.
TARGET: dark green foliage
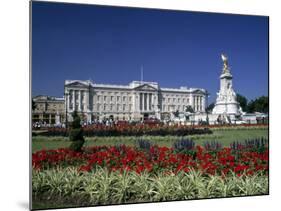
{"x":260,"y":104}
{"x":210,"y":107}
{"x":76,"y":120}
{"x":131,"y":131}
{"x":242,"y":101}
{"x":76,"y":134}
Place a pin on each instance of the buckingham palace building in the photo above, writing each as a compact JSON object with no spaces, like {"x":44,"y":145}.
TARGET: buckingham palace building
{"x":138,"y":100}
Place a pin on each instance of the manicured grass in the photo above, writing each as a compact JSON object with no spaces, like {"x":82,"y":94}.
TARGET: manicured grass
{"x":223,"y":136}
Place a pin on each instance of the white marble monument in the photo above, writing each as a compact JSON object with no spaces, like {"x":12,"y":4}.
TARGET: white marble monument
{"x":226,"y":103}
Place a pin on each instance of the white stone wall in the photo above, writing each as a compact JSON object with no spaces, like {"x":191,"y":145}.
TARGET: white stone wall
{"x":129,"y":102}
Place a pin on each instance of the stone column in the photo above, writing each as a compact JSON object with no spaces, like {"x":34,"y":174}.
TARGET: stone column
{"x":140,"y":101}
{"x":147,"y":101}
{"x":137,"y":101}
{"x":156,"y":103}
{"x":201,"y":103}
{"x":150,"y":101}
{"x":204,"y":103}
{"x":194,"y":103}
{"x":73,"y":100}
{"x":79,"y":100}
{"x":85,"y":101}
{"x":191,"y":100}
{"x":197,"y":103}
{"x":143,"y":101}
{"x":68,"y":100}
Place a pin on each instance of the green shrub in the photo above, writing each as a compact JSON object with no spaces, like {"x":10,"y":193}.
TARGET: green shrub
{"x":76,"y":134}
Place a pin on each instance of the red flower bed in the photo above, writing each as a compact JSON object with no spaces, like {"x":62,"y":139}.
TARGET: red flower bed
{"x":126,"y":129}
{"x":133,"y":130}
{"x":125,"y":158}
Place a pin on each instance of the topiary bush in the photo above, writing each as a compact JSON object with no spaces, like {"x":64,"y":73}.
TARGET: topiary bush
{"x":76,"y":134}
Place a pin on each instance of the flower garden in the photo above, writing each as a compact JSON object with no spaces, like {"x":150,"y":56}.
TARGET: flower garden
{"x":147,"y":172}
{"x":150,"y":129}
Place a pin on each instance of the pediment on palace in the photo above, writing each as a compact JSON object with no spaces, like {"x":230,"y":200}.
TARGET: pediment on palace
{"x":145,"y":87}
{"x":198,"y":91}
{"x":77,"y":84}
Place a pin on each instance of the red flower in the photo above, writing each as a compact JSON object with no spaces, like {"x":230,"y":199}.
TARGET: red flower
{"x":85,"y":168}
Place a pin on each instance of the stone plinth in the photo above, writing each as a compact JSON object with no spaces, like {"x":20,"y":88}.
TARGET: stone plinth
{"x":226,"y":102}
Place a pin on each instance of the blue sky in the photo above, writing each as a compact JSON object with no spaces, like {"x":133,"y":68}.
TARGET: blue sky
{"x":110,"y":44}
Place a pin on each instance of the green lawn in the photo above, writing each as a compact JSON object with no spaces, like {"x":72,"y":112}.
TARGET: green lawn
{"x":223,"y":136}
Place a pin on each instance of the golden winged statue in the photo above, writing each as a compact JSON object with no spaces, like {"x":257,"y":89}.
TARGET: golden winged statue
{"x":225,"y":62}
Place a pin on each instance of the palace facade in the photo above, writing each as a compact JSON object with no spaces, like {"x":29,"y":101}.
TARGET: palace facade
{"x":136,"y":101}
{"x":48,"y":110}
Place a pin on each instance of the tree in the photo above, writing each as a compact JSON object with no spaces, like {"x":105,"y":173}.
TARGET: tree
{"x":242,"y":101}
{"x":189,"y":109}
{"x":260,"y":104}
{"x":210,"y":107}
{"x":251,"y":106}
{"x":76,"y":134}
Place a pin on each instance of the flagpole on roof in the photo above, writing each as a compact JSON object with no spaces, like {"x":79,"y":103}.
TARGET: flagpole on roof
{"x":141,"y":74}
